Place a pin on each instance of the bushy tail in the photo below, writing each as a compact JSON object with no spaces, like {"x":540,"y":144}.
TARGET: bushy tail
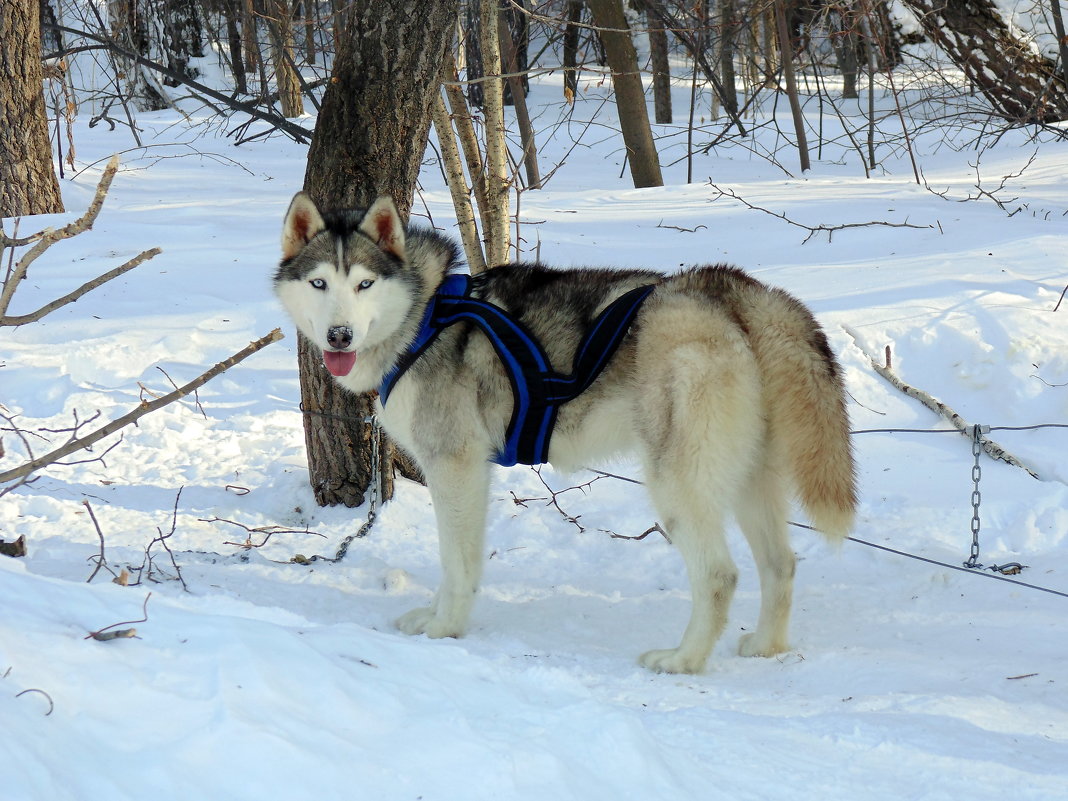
{"x":805,"y":402}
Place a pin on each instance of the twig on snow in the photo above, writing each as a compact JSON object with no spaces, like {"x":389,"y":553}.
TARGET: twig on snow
{"x":147,"y":564}
{"x":51,"y":703}
{"x":102,"y":635}
{"x":267,"y":531}
{"x":100,"y":562}
{"x":812,"y":229}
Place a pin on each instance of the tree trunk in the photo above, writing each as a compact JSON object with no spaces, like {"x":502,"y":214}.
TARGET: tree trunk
{"x":615,"y":34}
{"x":729,"y":28}
{"x":658,"y":56}
{"x":387,"y":69}
{"x":514,"y":65}
{"x":498,"y":181}
{"x":28,"y":182}
{"x":786,"y":51}
{"x":277,"y":14}
{"x":571,"y":42}
{"x":231,"y":11}
{"x":1021,"y":85}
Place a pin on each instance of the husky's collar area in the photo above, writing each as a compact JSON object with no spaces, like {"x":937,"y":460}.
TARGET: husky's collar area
{"x":537,"y":389}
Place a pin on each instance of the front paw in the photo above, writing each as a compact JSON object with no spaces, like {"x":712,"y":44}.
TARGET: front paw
{"x":752,"y":644}
{"x":426,"y":621}
{"x":672,"y":660}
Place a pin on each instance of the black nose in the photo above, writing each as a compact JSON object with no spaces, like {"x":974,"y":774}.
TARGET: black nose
{"x":340,"y":337}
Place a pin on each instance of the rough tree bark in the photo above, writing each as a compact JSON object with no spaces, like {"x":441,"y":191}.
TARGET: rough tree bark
{"x":28,"y":182}
{"x":1021,"y":84}
{"x":615,"y":34}
{"x":387,"y":69}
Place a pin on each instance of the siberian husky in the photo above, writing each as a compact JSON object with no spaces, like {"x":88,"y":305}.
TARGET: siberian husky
{"x":725,"y":389}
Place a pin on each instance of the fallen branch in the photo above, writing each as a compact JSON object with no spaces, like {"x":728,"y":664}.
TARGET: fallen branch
{"x":994,"y":450}
{"x":101,"y":635}
{"x":146,"y":407}
{"x":812,"y":229}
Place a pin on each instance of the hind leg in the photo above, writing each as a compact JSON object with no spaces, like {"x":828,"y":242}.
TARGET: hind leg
{"x":761,"y":513}
{"x":701,"y":425}
{"x":698,"y":535}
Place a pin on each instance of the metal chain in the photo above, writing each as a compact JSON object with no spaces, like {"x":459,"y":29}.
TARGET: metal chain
{"x":374,"y":489}
{"x":1010,"y":568}
{"x":977,"y":497}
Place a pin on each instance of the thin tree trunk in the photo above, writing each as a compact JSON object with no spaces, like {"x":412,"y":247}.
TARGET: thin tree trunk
{"x":387,"y":69}
{"x":729,"y":28}
{"x":279,"y":19}
{"x":791,"y":85}
{"x":658,"y":56}
{"x":1062,"y":39}
{"x":28,"y":182}
{"x":465,"y":132}
{"x":615,"y":34}
{"x":522,"y":116}
{"x":458,"y":187}
{"x":498,"y":183}
{"x":231,"y":11}
{"x":128,"y":28}
{"x":571,"y":41}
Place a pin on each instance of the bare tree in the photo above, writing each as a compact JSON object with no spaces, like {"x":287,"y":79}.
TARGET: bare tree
{"x":387,"y":69}
{"x":630,"y":95}
{"x":28,"y":182}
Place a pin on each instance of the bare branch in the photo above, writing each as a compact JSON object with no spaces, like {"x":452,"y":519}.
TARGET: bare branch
{"x":72,"y":297}
{"x":144,"y":408}
{"x":48,"y":237}
{"x":812,"y":229}
{"x":297,"y":132}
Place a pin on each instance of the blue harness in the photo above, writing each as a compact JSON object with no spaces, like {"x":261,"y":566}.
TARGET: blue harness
{"x":537,"y":389}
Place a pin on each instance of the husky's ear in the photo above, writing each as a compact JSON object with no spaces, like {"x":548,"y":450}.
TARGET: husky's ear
{"x":383,"y":225}
{"x":303,"y":222}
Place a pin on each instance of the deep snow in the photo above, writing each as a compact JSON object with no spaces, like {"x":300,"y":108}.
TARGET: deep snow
{"x":269,"y":679}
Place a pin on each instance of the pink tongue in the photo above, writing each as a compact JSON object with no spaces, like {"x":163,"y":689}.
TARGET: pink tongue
{"x":339,"y":362}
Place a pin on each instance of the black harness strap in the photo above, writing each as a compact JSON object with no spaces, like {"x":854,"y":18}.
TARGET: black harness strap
{"x":537,"y":389}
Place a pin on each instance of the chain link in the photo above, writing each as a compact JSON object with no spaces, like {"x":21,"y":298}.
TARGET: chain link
{"x":374,"y":490}
{"x":977,"y":496}
{"x":1010,"y":568}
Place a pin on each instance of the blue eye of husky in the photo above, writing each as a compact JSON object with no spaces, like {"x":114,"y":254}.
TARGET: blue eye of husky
{"x":365,"y":284}
{"x":318,"y":283}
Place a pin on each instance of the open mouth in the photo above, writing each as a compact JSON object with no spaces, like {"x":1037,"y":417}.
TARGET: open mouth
{"x":339,"y":362}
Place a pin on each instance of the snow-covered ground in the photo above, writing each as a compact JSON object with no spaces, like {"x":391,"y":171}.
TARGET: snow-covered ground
{"x":267,"y":679}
